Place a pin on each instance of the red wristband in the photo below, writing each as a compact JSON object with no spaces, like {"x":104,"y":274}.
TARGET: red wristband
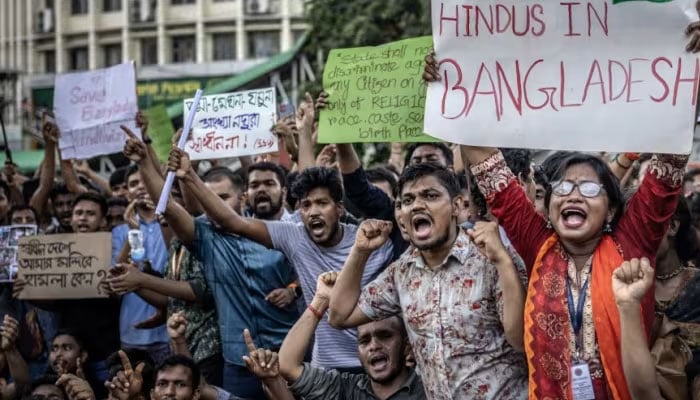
{"x":632,"y":156}
{"x":315,"y":312}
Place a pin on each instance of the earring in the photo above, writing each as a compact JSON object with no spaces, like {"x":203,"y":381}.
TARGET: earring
{"x":549,"y":224}
{"x":607,"y":228}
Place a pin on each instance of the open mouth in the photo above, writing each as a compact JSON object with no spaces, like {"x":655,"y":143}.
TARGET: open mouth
{"x":83,"y":228}
{"x":263,"y":200}
{"x":422,"y":226}
{"x":380,"y":361}
{"x":317,"y":226}
{"x":573,"y":217}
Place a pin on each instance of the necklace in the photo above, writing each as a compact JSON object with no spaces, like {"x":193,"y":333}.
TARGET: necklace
{"x":672,"y":274}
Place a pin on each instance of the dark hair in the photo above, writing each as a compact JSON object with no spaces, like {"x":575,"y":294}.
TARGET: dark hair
{"x":446,"y":177}
{"x":477,"y":198}
{"x":686,"y":241}
{"x":177,"y":360}
{"x":319,"y":177}
{"x":692,"y":173}
{"x":136,"y":357}
{"x":93,"y":197}
{"x":606,"y":177}
{"x":59,"y":189}
{"x":118,"y":202}
{"x":65,"y":332}
{"x":380,"y":174}
{"x":519,"y":161}
{"x":118,"y":177}
{"x":540,"y":177}
{"x":292,"y":177}
{"x":23,"y":207}
{"x":551,"y":164}
{"x":43,"y":380}
{"x":446,"y":152}
{"x":130,"y":170}
{"x":216,"y":174}
{"x":271,"y":167}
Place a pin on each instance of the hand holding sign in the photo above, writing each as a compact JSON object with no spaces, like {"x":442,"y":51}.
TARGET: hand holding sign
{"x":179,"y":163}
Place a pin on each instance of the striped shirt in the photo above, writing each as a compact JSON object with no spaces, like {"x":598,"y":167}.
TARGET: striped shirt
{"x":311,"y":260}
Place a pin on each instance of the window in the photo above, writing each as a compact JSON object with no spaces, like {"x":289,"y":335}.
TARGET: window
{"x":49,"y":61}
{"x":183,"y":49}
{"x":180,"y":2}
{"x":149,"y":51}
{"x":111,"y":5}
{"x":79,"y":7}
{"x":263,"y":44}
{"x":113,"y":54}
{"x":224,"y":46}
{"x":78,"y":58}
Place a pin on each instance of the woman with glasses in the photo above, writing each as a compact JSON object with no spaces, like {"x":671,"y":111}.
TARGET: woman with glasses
{"x":572,"y":329}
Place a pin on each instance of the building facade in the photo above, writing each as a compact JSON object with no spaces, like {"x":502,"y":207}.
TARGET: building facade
{"x":167,"y":39}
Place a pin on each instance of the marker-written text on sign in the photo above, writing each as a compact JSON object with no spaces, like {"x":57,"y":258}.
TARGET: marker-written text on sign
{"x":233,"y":124}
{"x":507,"y":65}
{"x":375,"y":93}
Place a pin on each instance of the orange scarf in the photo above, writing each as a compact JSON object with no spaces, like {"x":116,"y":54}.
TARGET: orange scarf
{"x":548,"y":326}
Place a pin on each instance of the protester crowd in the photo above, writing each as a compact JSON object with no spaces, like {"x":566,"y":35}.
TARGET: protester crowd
{"x":448,"y":272}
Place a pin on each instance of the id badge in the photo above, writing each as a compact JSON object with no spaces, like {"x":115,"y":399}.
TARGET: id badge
{"x":581,"y":382}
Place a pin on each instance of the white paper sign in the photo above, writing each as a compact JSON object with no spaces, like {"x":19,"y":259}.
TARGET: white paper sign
{"x":233,"y":124}
{"x":89,"y":108}
{"x":608,"y":75}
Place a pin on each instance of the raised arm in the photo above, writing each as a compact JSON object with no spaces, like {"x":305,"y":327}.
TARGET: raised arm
{"x":215,"y":208}
{"x":294,"y":347}
{"x":630,"y":282}
{"x":71,"y":178}
{"x":305,"y":126}
{"x":264,"y":364}
{"x":648,"y":213}
{"x":526,"y":229}
{"x":48,"y":168}
{"x":179,"y":220}
{"x":19,"y":371}
{"x":510,"y":292}
{"x":142,"y":123}
{"x":344,"y":311}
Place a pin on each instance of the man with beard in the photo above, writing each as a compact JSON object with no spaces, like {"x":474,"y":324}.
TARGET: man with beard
{"x":383,"y":347}
{"x":62,"y":202}
{"x":318,"y":244}
{"x":241,"y":273}
{"x":461,"y":284}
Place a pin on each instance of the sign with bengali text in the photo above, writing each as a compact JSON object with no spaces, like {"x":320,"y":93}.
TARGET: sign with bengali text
{"x":233,"y":124}
{"x":68,"y":266}
{"x":600,"y":75}
{"x":376,"y":94}
{"x":90,"y":107}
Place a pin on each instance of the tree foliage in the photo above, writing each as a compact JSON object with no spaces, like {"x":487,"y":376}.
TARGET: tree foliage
{"x":354,"y":23}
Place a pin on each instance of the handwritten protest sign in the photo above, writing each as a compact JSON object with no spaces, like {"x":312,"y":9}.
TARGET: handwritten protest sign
{"x":89,"y":108}
{"x":606,"y":75}
{"x":9,"y":240}
{"x":67,"y":266}
{"x":375,"y":93}
{"x":233,"y":124}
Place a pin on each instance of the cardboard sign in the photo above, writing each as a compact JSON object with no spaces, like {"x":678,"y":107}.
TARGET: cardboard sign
{"x":233,"y":124}
{"x":376,"y":94}
{"x":89,"y":108}
{"x":605,"y":75}
{"x":68,"y":266}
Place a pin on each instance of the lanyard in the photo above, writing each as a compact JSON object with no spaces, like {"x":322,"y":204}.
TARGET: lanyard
{"x":576,"y":316}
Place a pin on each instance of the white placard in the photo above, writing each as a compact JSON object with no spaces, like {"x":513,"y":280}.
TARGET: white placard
{"x":233,"y":124}
{"x":89,"y":108}
{"x":608,"y":75}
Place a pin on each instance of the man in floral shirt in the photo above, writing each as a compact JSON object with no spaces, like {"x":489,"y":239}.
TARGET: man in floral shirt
{"x":461,"y":298}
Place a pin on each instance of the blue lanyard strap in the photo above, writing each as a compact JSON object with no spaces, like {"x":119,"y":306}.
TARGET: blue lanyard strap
{"x":576,"y":316}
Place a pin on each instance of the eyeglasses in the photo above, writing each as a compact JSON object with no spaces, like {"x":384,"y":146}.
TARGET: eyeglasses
{"x":586,"y":188}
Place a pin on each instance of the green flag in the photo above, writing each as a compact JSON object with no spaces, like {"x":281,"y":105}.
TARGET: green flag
{"x":160,"y":129}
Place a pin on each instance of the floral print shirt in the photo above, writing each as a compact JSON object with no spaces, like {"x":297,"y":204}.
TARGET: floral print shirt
{"x":453,"y":319}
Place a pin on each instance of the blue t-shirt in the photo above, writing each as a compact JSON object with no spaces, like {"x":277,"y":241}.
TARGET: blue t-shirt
{"x":134,"y":309}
